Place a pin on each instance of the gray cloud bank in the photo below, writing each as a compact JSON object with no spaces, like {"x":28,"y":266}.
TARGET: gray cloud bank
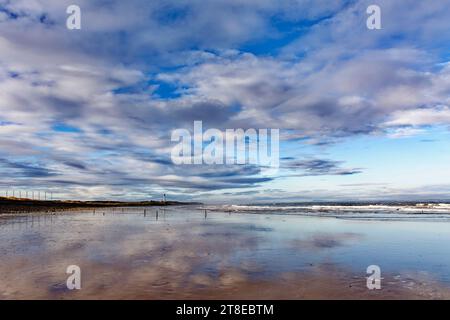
{"x":90,"y":112}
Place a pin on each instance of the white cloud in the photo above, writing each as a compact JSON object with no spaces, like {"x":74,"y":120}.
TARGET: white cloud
{"x":421,"y":117}
{"x":335,"y":80}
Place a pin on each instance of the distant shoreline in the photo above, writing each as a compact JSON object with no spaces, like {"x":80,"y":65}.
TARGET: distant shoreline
{"x":22,"y":205}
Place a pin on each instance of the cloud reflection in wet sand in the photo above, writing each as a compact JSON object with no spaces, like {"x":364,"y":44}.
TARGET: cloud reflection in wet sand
{"x":326,"y":241}
{"x":181,"y":255}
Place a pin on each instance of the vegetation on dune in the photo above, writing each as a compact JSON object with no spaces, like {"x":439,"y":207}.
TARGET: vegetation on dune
{"x":17,"y":205}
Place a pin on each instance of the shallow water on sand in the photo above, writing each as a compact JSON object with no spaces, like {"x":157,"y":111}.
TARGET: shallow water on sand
{"x":179,"y":252}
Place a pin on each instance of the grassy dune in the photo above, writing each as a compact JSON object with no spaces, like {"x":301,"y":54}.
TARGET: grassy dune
{"x":22,"y":205}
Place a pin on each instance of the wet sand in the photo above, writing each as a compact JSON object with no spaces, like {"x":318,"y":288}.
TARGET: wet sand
{"x":177,"y":253}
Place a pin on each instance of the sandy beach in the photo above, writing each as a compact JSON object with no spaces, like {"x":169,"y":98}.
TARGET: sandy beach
{"x":181,"y":253}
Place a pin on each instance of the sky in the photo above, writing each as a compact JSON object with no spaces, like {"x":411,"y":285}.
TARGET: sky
{"x":363,"y":114}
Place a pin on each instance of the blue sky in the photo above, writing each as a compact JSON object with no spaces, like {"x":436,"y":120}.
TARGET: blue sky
{"x":363,"y":114}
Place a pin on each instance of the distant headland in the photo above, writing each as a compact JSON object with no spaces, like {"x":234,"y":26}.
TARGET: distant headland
{"x":24,"y":205}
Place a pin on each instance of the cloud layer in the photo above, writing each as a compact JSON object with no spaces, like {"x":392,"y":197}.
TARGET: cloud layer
{"x":90,"y":112}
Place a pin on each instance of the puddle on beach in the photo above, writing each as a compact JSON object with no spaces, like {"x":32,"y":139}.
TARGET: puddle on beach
{"x":178,"y":253}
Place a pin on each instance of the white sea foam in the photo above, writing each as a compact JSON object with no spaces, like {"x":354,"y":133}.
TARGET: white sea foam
{"x":426,"y":211}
